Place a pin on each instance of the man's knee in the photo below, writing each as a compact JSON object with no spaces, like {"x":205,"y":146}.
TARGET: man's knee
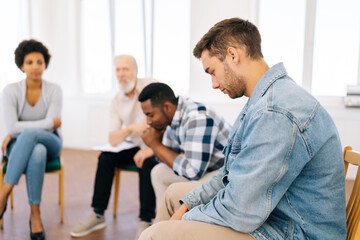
{"x":152,"y":232}
{"x":157,"y":173}
{"x":175,"y":192}
{"x":145,"y":170}
{"x":104,"y":156}
{"x":149,"y":164}
{"x":105,"y":161}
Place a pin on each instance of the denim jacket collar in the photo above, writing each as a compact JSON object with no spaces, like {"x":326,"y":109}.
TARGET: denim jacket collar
{"x":266,"y":80}
{"x":270,"y":76}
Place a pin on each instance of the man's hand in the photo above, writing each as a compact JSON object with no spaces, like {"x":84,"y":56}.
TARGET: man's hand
{"x":152,"y":137}
{"x":5,"y":143}
{"x":117,"y":136}
{"x":57,"y":123}
{"x":179,"y":213}
{"x":138,"y":128}
{"x":141,"y":155}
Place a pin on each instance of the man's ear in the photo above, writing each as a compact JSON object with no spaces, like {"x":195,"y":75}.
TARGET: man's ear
{"x":234,"y":54}
{"x":167,"y":106}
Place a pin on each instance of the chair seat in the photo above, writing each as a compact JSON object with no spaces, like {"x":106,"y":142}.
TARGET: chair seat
{"x":51,"y":165}
{"x":128,"y":167}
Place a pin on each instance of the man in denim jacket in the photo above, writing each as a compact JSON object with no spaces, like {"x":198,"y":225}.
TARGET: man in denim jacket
{"x":283,"y":176}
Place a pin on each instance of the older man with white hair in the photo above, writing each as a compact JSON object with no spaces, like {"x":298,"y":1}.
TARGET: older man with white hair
{"x":127,"y":122}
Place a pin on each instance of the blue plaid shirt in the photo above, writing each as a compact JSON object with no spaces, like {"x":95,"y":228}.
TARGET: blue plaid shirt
{"x":199,"y":135}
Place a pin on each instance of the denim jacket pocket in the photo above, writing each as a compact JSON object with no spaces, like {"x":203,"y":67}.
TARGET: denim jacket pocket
{"x":277,"y":228}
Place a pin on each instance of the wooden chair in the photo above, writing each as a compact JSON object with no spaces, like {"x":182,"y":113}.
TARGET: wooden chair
{"x":353,"y":206}
{"x":54,"y":166}
{"x":128,"y":167}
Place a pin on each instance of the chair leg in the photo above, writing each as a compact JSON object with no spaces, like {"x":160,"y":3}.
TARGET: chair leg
{"x":1,"y":180}
{"x":60,"y":188}
{"x":116,"y":190}
{"x":61,"y":194}
{"x":12,"y":206}
{"x":2,"y":176}
{"x":12,"y":199}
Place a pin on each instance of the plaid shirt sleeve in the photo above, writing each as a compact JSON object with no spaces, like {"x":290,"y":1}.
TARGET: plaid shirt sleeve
{"x":198,"y":144}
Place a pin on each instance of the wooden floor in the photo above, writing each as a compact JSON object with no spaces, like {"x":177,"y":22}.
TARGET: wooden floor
{"x":80,"y":169}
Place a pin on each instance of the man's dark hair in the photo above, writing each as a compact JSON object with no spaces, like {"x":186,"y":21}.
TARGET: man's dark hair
{"x":158,"y":93}
{"x":233,"y":32}
{"x":29,"y":46}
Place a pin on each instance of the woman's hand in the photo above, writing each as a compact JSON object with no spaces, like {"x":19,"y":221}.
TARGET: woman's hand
{"x":5,"y":143}
{"x":57,"y":123}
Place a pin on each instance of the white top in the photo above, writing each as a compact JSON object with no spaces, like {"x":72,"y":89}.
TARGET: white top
{"x":125,"y":111}
{"x":33,"y":113}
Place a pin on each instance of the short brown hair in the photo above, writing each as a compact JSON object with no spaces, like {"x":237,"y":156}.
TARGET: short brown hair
{"x":233,"y":32}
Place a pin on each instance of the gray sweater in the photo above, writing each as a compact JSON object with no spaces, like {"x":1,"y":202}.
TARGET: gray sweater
{"x":13,"y":101}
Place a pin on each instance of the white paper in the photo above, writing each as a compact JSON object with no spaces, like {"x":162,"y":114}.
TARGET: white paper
{"x":120,"y":147}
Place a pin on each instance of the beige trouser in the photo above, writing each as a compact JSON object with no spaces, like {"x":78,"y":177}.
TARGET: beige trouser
{"x":162,"y":177}
{"x":168,"y":230}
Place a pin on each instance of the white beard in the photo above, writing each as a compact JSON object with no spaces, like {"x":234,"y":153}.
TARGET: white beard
{"x":128,"y":87}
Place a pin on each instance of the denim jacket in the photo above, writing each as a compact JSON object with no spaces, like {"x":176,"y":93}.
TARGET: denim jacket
{"x":283,"y":176}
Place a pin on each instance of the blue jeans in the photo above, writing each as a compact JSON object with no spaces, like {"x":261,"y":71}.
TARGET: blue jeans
{"x":28,"y":154}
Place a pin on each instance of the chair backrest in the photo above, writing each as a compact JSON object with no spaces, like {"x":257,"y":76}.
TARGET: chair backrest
{"x":353,"y":206}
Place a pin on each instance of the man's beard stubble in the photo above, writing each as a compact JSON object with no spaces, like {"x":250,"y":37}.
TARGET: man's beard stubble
{"x":235,"y":86}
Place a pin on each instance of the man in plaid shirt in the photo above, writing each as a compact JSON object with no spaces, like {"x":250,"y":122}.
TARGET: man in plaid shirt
{"x":186,"y":136}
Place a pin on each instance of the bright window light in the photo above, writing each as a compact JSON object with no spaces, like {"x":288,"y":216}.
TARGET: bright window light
{"x":282,"y":26}
{"x":13,"y":19}
{"x":170,"y":47}
{"x":172,"y":43}
{"x":336,"y":49}
{"x":129,"y":34}
{"x":95,"y":47}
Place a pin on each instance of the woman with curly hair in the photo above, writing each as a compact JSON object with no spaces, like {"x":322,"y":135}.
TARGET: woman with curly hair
{"x":31,"y":112}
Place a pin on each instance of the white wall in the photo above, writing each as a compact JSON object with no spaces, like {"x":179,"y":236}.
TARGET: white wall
{"x":85,"y":122}
{"x":54,"y":24}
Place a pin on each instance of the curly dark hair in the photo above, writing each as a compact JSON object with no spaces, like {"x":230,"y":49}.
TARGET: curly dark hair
{"x":29,"y":46}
